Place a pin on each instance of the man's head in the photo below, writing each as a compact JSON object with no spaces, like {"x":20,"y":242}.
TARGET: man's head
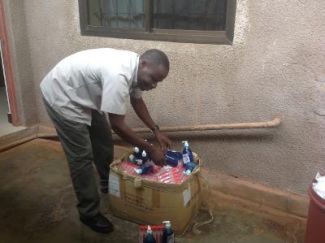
{"x":153,"y":68}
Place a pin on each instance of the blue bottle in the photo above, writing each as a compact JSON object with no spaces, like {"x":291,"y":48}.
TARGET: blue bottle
{"x":187,"y":153}
{"x":144,"y":156}
{"x":146,"y":168}
{"x":189,"y":167}
{"x":149,"y":238}
{"x":136,"y":153}
{"x":172,"y":157}
{"x":139,"y":156}
{"x":135,"y":156}
{"x":168,"y":233}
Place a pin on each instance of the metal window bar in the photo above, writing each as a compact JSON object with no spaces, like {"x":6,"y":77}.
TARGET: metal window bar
{"x":116,"y":14}
{"x":206,"y":7}
{"x":158,"y":9}
{"x":129,"y":13}
{"x":174,"y":13}
{"x":148,"y":15}
{"x":190,"y":12}
{"x":101,"y":13}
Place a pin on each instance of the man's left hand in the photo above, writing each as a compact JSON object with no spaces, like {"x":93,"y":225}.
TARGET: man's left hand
{"x":163,"y":140}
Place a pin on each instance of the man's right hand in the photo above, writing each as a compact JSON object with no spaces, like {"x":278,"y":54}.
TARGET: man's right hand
{"x":119,"y":126}
{"x":157,"y":156}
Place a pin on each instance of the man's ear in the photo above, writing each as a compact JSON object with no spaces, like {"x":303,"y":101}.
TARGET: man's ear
{"x":143,"y":62}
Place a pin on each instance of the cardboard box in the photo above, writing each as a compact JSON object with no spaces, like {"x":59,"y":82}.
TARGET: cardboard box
{"x":148,"y":202}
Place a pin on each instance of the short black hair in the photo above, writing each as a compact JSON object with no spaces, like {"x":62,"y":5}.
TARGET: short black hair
{"x":157,"y":57}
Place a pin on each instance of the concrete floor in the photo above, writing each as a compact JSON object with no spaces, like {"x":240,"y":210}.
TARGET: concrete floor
{"x":38,"y":205}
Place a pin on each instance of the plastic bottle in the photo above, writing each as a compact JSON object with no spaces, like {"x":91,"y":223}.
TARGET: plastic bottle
{"x":135,"y":156}
{"x":187,"y":153}
{"x":146,"y":168}
{"x":189,"y":167}
{"x":131,"y":158}
{"x":168,"y":233}
{"x":149,"y":238}
{"x":144,"y":156}
{"x":172,"y":157}
{"x":139,"y":156}
{"x":136,"y":151}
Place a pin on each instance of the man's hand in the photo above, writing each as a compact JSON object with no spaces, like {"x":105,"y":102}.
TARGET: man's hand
{"x":163,"y":140}
{"x":118,"y":125}
{"x":157,"y":156}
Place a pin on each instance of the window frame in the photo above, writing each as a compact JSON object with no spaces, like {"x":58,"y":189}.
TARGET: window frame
{"x":172,"y":35}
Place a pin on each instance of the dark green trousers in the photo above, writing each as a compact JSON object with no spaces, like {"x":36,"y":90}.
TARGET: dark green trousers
{"x":83,"y":145}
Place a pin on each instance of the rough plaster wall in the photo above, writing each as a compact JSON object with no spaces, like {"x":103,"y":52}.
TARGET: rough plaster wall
{"x":20,"y":58}
{"x":275,"y":67}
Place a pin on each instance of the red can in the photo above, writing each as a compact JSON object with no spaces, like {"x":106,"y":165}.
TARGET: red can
{"x":315,"y":232}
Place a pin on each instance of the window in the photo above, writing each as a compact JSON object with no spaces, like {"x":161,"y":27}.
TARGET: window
{"x":196,"y":21}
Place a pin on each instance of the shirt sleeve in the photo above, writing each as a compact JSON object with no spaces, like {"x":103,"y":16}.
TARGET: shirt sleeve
{"x":136,"y":93}
{"x":115,"y":95}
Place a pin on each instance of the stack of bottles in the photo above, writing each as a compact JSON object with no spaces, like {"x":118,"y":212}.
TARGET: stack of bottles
{"x":141,"y":158}
{"x":157,"y":233}
{"x":179,"y":165}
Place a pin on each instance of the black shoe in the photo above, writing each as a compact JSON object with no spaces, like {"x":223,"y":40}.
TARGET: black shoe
{"x":104,"y":190}
{"x":98,"y":223}
{"x":104,"y":186}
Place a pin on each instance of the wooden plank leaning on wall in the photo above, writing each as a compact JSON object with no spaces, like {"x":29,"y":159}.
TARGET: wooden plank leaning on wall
{"x":12,"y":116}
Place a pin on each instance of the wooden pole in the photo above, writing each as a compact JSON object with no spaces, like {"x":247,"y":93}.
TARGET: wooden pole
{"x":46,"y":132}
{"x":195,"y":128}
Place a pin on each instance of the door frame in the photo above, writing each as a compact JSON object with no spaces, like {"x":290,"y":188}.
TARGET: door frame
{"x":7,"y":69}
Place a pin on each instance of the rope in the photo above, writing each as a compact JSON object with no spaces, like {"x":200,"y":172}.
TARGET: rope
{"x":204,"y":183}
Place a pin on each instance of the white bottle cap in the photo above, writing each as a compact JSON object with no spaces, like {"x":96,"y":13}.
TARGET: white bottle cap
{"x":188,"y":172}
{"x":149,"y":229}
{"x":136,"y":149}
{"x":138,"y":171}
{"x":185,"y":142}
{"x":167,"y":224}
{"x":144,"y":153}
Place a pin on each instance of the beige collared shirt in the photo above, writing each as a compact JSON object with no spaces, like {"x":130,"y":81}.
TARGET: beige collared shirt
{"x":101,"y":79}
